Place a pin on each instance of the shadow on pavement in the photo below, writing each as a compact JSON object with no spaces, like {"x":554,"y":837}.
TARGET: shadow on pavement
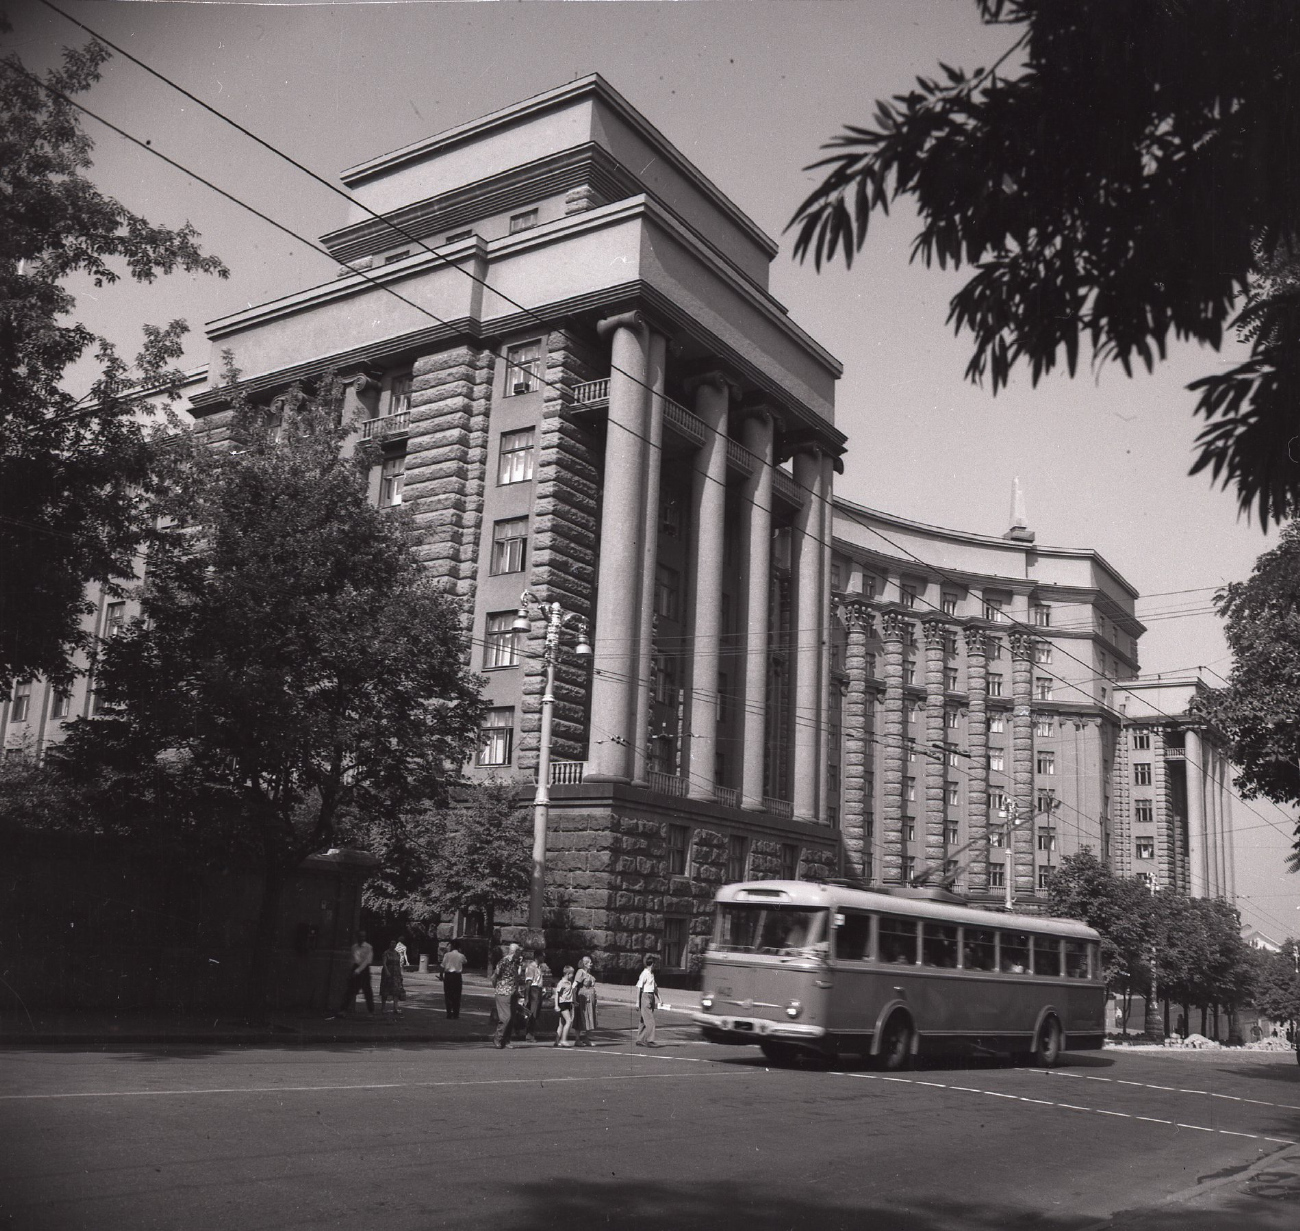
{"x":1286,"y":1072}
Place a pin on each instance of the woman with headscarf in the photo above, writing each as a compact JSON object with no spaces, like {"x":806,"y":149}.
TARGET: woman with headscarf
{"x":584,"y":988}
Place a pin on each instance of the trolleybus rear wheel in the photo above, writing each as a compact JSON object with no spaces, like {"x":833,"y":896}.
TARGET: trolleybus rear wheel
{"x":896,"y":1043}
{"x":1049,"y":1044}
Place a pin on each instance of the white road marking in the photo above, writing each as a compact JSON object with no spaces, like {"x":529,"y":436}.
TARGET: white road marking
{"x":1147,"y":1085}
{"x":1200,"y":1128}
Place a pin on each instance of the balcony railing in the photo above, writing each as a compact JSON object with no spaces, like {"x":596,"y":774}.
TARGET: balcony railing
{"x":778,"y":807}
{"x":785,"y":487}
{"x":740,"y":458}
{"x":387,"y":426}
{"x":591,"y":393}
{"x":566,"y":773}
{"x":677,"y":417}
{"x":667,"y":784}
{"x":727,"y":795}
{"x":1174,"y":754}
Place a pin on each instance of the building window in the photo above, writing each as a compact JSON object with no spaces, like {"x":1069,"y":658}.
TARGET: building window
{"x":676,"y":930}
{"x":62,"y":704}
{"x":1141,"y":740}
{"x":993,"y":610}
{"x":524,"y":221}
{"x":523,"y":366}
{"x":909,"y":790}
{"x":948,"y":604}
{"x":399,"y":394}
{"x":871,"y":666}
{"x":911,"y":753}
{"x":1043,"y":688}
{"x":950,"y":644}
{"x":515,"y":463}
{"x":994,"y":649}
{"x":392,"y":478}
{"x":679,"y":849}
{"x":1143,"y":812}
{"x":951,"y":719}
{"x":1143,"y":879}
{"x":1041,"y":615}
{"x":868,"y":586}
{"x":952,"y":758}
{"x":909,"y":824}
{"x":833,"y":775}
{"x":1044,"y":728}
{"x":501,"y":648}
{"x":663,"y":680}
{"x":997,"y":802}
{"x":997,"y":876}
{"x":837,"y":577}
{"x":950,"y":833}
{"x":22,"y":701}
{"x":497,"y":736}
{"x":737,"y":858}
{"x":952,"y":792}
{"x":997,"y":759}
{"x":114,"y":619}
{"x":670,"y":516}
{"x":997,"y":724}
{"x":1142,"y":773}
{"x":509,"y":544}
{"x":907,"y":595}
{"x":1047,"y":840}
{"x":950,"y":678}
{"x":1045,"y":877}
{"x":909,"y":671}
{"x":1047,"y":762}
{"x":911,"y":711}
{"x":1042,"y":651}
{"x":667,"y":590}
{"x":1046,"y":801}
{"x":789,"y":861}
{"x":909,"y":636}
{"x":909,"y":868}
{"x":1145,"y":848}
{"x":995,"y":688}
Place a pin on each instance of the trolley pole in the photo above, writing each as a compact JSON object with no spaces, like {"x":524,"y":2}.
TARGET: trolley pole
{"x":556,"y":619}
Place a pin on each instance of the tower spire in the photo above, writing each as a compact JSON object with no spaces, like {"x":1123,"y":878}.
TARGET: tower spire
{"x":1019,"y":531}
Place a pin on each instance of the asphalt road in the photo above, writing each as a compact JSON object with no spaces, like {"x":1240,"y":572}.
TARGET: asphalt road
{"x":691,"y":1135}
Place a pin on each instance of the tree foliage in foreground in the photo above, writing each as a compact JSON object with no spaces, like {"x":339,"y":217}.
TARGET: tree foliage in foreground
{"x":1117,"y":178}
{"x":75,"y":473}
{"x":1259,"y":709}
{"x":294,"y":667}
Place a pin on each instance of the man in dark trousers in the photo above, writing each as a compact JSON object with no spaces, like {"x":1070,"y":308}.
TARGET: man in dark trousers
{"x":453,"y":963}
{"x":506,"y":982}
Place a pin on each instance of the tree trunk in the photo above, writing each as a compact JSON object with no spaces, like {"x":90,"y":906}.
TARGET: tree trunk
{"x":489,"y":918}
{"x":1204,"y":1020}
{"x":1127,"y":1003}
{"x":1166,"y":1019}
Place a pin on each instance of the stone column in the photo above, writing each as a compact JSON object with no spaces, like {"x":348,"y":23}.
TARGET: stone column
{"x":806,"y":569}
{"x":618,"y":600}
{"x":708,"y":526}
{"x":1198,"y":870}
{"x":1022,"y":760}
{"x":936,"y":760}
{"x":1221,"y":822}
{"x":1213,"y":850}
{"x":977,"y":784}
{"x":649,"y":559}
{"x":824,"y":624}
{"x":857,"y":617}
{"x":756,"y":542}
{"x":1225,"y":796}
{"x":893,"y":761}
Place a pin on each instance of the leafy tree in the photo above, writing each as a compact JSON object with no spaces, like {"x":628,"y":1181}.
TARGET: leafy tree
{"x":1115,"y":178}
{"x":75,"y":474}
{"x":485,"y":855}
{"x":1259,"y":710}
{"x":406,"y":845}
{"x":294,"y":667}
{"x":1277,"y":988}
{"x":1084,"y":887}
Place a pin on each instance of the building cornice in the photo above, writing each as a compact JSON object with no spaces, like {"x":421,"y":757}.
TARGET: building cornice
{"x":594,"y":86}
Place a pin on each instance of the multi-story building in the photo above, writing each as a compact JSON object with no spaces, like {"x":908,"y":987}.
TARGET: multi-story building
{"x":559,"y":333}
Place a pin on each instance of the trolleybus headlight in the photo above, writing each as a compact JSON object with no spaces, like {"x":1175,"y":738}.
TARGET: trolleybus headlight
{"x":706,"y":1001}
{"x":793,"y":1009}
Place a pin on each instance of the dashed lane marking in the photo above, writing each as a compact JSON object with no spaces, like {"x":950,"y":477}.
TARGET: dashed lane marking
{"x":1096,"y":1111}
{"x":1148,"y":1085}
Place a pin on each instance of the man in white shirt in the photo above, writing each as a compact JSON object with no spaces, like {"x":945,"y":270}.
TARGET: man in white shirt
{"x":359,"y":976}
{"x":647,"y":1000}
{"x":453,"y":963}
{"x":536,"y":974}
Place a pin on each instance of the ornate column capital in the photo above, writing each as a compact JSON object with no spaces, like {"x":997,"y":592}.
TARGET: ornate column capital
{"x":893,"y":627}
{"x":715,"y":378}
{"x":936,"y":630}
{"x":857,"y":614}
{"x":1022,"y":647}
{"x":977,"y":639}
{"x":624,"y":320}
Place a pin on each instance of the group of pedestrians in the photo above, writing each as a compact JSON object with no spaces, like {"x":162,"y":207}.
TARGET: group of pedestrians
{"x":520,"y":983}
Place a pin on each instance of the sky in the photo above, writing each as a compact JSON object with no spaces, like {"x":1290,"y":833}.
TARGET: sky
{"x":748,"y":92}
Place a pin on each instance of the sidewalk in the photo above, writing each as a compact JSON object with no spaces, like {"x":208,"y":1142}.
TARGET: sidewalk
{"x":423,"y":1020}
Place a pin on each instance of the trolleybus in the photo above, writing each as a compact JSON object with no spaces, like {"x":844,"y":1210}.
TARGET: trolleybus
{"x":800,"y":968}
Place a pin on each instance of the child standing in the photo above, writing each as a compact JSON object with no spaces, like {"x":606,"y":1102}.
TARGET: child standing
{"x":564,"y":1007}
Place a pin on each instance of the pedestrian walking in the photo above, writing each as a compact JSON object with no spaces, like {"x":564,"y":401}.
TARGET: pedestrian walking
{"x":391,"y":984}
{"x":647,"y":1001}
{"x":453,"y":979}
{"x":564,"y":1007}
{"x":537,"y":974}
{"x":359,"y":977}
{"x":400,"y":946}
{"x":584,"y":989}
{"x":506,"y":983}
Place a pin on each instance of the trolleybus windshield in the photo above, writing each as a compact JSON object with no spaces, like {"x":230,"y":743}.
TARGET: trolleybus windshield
{"x":781,"y":930}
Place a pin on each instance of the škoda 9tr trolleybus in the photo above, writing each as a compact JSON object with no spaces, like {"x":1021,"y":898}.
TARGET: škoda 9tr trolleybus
{"x":801,"y":968}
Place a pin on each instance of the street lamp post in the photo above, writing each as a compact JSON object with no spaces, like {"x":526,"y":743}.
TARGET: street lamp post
{"x":556,"y":620}
{"x":1011,"y":814}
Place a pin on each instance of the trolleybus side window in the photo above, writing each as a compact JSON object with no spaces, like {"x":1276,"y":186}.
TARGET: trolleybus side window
{"x":939,"y":944}
{"x":770,"y":929}
{"x":1015,"y":953}
{"x":979,"y":949}
{"x":1076,"y":959}
{"x":1047,"y":956}
{"x":852,"y":935}
{"x":897,"y":940}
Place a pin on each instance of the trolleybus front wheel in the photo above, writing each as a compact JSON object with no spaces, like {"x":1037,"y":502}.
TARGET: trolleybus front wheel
{"x":1049,"y":1044}
{"x":896,"y":1043}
